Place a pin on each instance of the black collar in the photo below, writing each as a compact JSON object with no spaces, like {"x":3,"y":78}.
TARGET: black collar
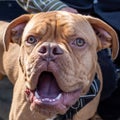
{"x":83,"y":100}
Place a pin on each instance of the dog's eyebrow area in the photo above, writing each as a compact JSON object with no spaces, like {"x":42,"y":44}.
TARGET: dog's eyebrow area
{"x":73,"y":25}
{"x":59,"y":26}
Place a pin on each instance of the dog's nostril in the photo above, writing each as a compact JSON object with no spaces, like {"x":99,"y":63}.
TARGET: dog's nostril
{"x":43,"y":49}
{"x":50,"y":50}
{"x":57,"y":50}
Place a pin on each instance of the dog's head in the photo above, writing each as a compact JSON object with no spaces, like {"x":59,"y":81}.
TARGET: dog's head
{"x":58,"y":56}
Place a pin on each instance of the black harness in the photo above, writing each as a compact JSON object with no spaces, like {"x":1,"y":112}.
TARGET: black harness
{"x":83,"y":100}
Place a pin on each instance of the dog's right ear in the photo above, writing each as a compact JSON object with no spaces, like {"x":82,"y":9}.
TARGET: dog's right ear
{"x":15,"y":29}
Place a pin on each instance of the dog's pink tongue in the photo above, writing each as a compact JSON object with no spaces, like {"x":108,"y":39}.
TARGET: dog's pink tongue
{"x":47,"y":86}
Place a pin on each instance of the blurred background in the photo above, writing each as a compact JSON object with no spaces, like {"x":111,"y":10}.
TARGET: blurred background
{"x":9,"y":9}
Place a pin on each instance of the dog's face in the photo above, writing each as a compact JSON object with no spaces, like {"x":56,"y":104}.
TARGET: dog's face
{"x":58,"y":57}
{"x":58,"y":60}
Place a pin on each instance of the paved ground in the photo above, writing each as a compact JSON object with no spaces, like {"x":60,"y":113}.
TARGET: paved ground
{"x":5,"y":98}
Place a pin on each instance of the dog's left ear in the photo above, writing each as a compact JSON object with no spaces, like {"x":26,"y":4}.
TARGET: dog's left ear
{"x":15,"y":29}
{"x":106,"y":35}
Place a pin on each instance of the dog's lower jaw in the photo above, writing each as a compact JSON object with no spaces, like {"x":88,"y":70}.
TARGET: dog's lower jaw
{"x":52,"y":106}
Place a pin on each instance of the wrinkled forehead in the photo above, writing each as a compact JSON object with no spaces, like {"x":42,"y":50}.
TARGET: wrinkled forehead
{"x":64,"y":20}
{"x":53,"y":16}
{"x":59,"y":17}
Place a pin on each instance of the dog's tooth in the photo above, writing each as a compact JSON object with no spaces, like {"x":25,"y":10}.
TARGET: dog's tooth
{"x":50,"y":100}
{"x":36,"y":94}
{"x":53,"y":100}
{"x":44,"y":99}
{"x":37,"y":101}
{"x":58,"y":97}
{"x":47,"y":99}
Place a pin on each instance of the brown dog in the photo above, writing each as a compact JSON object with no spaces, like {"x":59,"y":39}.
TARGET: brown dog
{"x":53,"y":59}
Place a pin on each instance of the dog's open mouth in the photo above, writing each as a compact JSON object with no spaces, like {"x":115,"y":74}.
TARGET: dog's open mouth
{"x":47,"y":89}
{"x":49,"y":95}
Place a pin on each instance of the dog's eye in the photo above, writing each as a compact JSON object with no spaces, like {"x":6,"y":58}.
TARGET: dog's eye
{"x":31,"y":40}
{"x":79,"y":42}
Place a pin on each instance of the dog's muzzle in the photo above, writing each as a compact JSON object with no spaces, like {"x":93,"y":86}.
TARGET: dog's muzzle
{"x":49,"y":98}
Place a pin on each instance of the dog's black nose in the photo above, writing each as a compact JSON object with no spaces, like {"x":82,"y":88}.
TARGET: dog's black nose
{"x":50,"y":51}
